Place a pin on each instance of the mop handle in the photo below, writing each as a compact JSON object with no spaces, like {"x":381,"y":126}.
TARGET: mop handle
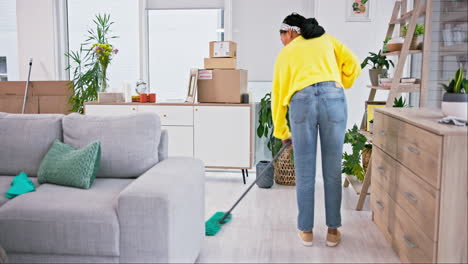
{"x":226,"y":215}
{"x":27,"y":85}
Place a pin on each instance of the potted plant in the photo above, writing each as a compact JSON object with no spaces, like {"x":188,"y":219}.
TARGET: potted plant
{"x":265,"y":129}
{"x":455,"y":99}
{"x":371,"y":126}
{"x":418,"y":31}
{"x":400,"y":102}
{"x":380,"y":65}
{"x":88,"y":65}
{"x":352,"y":162}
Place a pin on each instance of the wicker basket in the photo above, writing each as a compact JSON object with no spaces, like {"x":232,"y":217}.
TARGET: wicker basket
{"x":366,"y":156}
{"x":284,"y":170}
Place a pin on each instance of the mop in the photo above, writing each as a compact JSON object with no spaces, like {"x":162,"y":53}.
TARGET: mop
{"x":213,"y":225}
{"x":27,"y":86}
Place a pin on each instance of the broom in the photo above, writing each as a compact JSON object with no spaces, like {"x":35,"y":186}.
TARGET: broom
{"x":213,"y":225}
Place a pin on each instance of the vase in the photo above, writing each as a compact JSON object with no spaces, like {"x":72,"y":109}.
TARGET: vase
{"x":267,"y":179}
{"x":374,"y":75}
{"x":103,"y":86}
{"x":455,"y":104}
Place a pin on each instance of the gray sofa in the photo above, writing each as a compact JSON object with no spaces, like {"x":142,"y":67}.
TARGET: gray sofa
{"x":142,"y":207}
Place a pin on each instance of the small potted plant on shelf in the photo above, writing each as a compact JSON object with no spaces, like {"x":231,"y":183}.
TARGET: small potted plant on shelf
{"x":351,"y":164}
{"x":455,"y":99}
{"x":380,"y":65}
{"x":418,"y":31}
{"x":265,"y":129}
{"x":371,"y":126}
{"x":400,"y":102}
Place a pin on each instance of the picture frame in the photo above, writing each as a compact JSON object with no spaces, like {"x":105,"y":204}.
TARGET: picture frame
{"x":359,"y":10}
{"x":192,"y":86}
{"x":370,"y":106}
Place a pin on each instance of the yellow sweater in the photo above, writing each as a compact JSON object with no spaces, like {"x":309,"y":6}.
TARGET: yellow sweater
{"x":305,"y":62}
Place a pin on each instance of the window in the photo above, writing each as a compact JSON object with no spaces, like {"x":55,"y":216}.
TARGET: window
{"x":8,"y":41}
{"x":178,"y":40}
{"x":125,"y":65}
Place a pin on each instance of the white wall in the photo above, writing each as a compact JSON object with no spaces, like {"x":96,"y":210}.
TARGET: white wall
{"x":8,"y":37}
{"x":360,"y":37}
{"x":36,"y":39}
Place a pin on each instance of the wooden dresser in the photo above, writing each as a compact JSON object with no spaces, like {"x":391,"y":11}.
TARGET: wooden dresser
{"x":419,"y":185}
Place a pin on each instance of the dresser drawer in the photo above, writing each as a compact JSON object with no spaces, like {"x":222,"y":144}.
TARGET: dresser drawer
{"x":383,"y":170}
{"x":409,"y":240}
{"x":382,"y":207}
{"x":171,"y":115}
{"x":419,"y":199}
{"x":420,"y":151}
{"x":385,"y":133}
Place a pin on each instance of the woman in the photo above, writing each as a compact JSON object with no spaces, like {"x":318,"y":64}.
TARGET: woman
{"x":309,"y":76}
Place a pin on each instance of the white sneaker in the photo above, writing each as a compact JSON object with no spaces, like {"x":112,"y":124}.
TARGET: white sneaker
{"x":306,"y":238}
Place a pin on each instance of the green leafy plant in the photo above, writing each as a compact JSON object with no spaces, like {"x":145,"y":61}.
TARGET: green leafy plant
{"x":418,"y":31}
{"x":385,"y":42}
{"x":265,"y":127}
{"x":459,"y":84}
{"x":400,"y":102}
{"x":351,"y":163}
{"x":378,"y":61}
{"x":89,"y":63}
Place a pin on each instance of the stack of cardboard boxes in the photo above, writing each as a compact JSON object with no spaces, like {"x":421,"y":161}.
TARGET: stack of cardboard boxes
{"x":220,"y":81}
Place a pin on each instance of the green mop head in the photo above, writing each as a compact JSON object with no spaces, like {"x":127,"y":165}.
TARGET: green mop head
{"x":212,"y":226}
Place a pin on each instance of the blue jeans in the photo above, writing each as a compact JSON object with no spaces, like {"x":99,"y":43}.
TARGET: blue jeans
{"x":318,"y":108}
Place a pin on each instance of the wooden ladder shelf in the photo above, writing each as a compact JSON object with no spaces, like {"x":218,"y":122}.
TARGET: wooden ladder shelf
{"x":396,"y":88}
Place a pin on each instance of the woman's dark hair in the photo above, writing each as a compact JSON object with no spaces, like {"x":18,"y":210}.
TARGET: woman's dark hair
{"x":310,"y":28}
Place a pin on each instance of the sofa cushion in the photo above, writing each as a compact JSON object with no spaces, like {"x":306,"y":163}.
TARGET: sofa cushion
{"x":5,"y":184}
{"x":64,"y":220}
{"x":24,"y":141}
{"x":65,"y":165}
{"x":129,"y":143}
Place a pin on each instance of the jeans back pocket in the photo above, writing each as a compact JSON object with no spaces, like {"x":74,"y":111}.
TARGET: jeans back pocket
{"x":336,"y":109}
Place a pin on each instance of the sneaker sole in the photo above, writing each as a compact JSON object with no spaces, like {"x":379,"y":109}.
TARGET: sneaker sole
{"x":305,"y":243}
{"x":332,"y":244}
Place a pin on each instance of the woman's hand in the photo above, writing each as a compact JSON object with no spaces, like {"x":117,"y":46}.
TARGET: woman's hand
{"x":286,"y":141}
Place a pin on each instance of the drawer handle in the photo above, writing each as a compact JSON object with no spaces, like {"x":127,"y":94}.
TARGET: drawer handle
{"x":413,"y":150}
{"x":379,"y":204}
{"x":382,"y":133}
{"x":164,"y":115}
{"x":134,"y":109}
{"x":381,"y":170}
{"x":410,"y":196}
{"x":408,"y":241}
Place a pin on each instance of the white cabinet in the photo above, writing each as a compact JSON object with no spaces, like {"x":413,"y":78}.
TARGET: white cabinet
{"x":180,"y":140}
{"x":222,"y":135}
{"x":219,"y":135}
{"x":110,"y":109}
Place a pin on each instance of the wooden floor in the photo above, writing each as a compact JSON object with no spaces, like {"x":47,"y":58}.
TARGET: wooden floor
{"x":263,"y":227}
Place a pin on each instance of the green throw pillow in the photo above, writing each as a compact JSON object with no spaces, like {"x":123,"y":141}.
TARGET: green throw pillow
{"x":65,"y":165}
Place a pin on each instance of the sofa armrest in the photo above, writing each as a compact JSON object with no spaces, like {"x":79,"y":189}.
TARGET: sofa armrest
{"x":161,"y":213}
{"x":163,"y":148}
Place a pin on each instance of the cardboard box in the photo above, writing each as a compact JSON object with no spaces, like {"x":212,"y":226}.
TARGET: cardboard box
{"x":14,"y":104}
{"x":221,"y":86}
{"x":221,"y":63}
{"x":223,"y":49}
{"x":43,"y":97}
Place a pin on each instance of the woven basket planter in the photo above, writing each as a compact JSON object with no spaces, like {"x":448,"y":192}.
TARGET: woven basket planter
{"x":366,"y":156}
{"x":284,"y":170}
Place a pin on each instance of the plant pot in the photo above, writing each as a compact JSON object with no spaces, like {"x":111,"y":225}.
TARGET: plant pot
{"x":374,"y":75}
{"x":371,"y":128}
{"x":394,"y":47}
{"x":456,"y":105}
{"x":414,"y":43}
{"x":267,"y":179}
